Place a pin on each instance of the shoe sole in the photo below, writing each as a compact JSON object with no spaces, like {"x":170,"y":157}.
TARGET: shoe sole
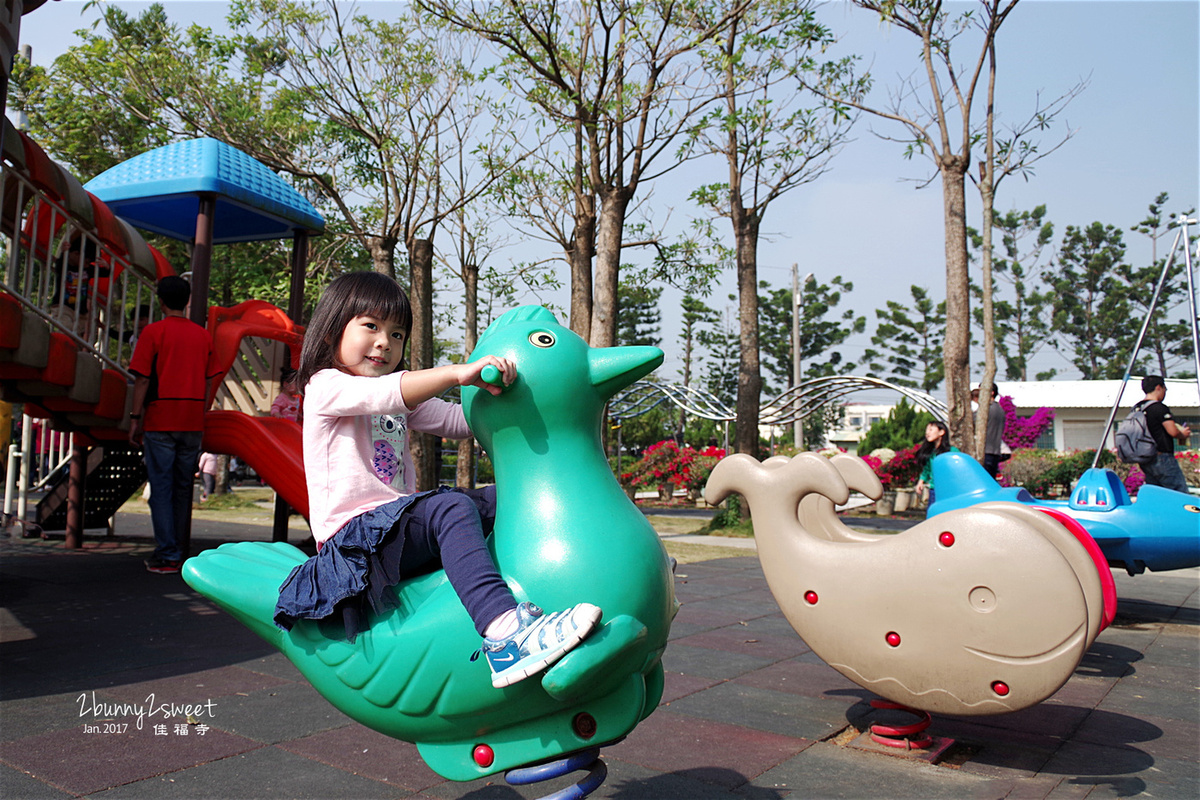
{"x":514,"y":675}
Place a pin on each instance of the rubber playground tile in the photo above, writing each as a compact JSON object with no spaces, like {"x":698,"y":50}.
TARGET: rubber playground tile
{"x":978,"y":731}
{"x":810,"y":680}
{"x":275,"y":664}
{"x":281,"y":714}
{"x":827,"y":770}
{"x":1048,"y":719}
{"x":1161,"y":738}
{"x":746,"y":605}
{"x":1082,"y":690}
{"x":32,"y":716}
{"x":1176,"y":649}
{"x":1164,"y":676}
{"x":698,"y":617}
{"x":738,"y":639}
{"x":1126,"y":770}
{"x":776,"y":712}
{"x":365,"y":752}
{"x":774,"y":625}
{"x":624,"y":781}
{"x":714,"y":752}
{"x":86,"y":759}
{"x":264,"y":773}
{"x":1105,"y":659}
{"x":677,"y":685}
{"x":1145,"y":700}
{"x":207,"y":683}
{"x":18,"y":784}
{"x":708,"y":663}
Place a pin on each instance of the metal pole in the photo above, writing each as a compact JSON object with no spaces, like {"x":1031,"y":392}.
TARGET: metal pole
{"x":1162,"y":278}
{"x":26,"y":457}
{"x":1191,"y":284}
{"x":797,"y":372}
{"x":797,"y":425}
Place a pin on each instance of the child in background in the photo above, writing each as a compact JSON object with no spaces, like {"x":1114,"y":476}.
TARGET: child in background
{"x":208,"y":475}
{"x":936,"y":442}
{"x":371,"y":529}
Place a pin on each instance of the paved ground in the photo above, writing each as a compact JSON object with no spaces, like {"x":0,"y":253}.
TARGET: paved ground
{"x":749,"y":711}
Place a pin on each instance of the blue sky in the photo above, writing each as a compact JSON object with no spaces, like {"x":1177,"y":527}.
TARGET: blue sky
{"x":1137,"y":133}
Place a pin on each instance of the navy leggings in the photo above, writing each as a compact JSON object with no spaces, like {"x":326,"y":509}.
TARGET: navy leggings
{"x":448,"y":528}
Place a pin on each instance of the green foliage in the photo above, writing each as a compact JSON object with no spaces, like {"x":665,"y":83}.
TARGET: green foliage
{"x":1168,"y":344}
{"x":1039,"y":471}
{"x":902,"y":427}
{"x":821,"y":332}
{"x":728,"y":514}
{"x":910,"y":342}
{"x":1022,"y":320}
{"x":1092,"y":310}
{"x":639,"y":318}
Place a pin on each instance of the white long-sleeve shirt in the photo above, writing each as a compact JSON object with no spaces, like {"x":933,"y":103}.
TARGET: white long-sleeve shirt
{"x":356,"y":455}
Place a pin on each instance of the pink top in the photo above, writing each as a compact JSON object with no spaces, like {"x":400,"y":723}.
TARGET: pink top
{"x":356,"y":455}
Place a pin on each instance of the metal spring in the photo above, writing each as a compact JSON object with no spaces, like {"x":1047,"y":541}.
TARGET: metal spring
{"x":908,"y":736}
{"x":584,"y":759}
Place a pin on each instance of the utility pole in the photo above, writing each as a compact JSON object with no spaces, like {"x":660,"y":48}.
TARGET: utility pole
{"x":797,"y":308}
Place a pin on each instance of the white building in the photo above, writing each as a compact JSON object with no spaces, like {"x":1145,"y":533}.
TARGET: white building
{"x":1081,"y":409}
{"x":857,"y":419}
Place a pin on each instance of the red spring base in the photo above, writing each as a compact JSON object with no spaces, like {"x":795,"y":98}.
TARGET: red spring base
{"x":907,"y":737}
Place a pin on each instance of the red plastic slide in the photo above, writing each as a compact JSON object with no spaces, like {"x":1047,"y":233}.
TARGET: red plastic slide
{"x":271,"y":446}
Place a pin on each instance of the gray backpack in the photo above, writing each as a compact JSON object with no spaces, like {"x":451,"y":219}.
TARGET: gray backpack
{"x":1135,"y":445}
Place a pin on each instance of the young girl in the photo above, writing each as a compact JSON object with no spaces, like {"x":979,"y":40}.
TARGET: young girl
{"x":937,"y":441}
{"x":371,"y":529}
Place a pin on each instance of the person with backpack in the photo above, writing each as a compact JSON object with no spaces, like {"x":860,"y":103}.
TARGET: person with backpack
{"x":1163,"y":470}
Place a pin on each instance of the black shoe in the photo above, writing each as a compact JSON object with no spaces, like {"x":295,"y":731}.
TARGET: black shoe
{"x":162,"y":566}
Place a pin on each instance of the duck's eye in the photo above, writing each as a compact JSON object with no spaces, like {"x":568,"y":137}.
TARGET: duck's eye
{"x":542,"y":339}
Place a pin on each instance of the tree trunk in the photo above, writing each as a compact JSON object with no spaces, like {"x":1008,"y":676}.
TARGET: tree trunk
{"x":383,"y":254}
{"x":464,"y":471}
{"x":583,"y":246}
{"x":745,"y":228}
{"x":957,"y":347}
{"x":425,"y":448}
{"x":613,"y":204}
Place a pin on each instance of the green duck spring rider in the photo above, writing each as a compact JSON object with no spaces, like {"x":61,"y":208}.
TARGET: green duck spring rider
{"x":565,"y":532}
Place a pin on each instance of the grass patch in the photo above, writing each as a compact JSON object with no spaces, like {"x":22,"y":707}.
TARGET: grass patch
{"x":742,"y":528}
{"x":687,"y":553}
{"x":236,"y":501}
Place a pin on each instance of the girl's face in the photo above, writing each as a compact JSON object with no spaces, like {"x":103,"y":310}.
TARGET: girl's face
{"x":933,"y":433}
{"x":371,"y":347}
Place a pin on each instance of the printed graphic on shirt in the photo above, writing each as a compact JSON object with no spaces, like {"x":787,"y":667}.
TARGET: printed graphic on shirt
{"x":388,"y":435}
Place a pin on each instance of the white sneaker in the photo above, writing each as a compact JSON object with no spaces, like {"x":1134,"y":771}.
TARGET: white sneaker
{"x":540,"y":640}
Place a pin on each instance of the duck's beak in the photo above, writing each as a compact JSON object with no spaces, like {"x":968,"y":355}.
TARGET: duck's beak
{"x":611,"y":369}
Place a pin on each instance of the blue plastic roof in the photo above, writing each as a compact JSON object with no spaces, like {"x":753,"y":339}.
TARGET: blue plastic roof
{"x":159,"y":191}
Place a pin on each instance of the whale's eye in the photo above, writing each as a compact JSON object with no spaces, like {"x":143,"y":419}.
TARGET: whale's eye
{"x":541,"y":339}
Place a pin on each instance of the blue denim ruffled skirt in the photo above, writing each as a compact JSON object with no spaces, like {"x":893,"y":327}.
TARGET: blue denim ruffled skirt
{"x":351,"y":573}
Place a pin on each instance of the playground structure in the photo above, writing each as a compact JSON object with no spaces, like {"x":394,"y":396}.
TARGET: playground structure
{"x":64,"y":355}
{"x":409,"y":675}
{"x":992,"y":608}
{"x":1161,"y":531}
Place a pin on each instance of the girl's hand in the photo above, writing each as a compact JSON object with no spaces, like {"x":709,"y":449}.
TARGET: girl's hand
{"x":473,"y":373}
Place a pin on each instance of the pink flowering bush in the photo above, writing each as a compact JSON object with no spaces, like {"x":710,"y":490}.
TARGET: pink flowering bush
{"x":1023,"y":432}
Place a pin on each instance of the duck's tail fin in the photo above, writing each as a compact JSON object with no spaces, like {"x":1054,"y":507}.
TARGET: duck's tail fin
{"x":244,"y":578}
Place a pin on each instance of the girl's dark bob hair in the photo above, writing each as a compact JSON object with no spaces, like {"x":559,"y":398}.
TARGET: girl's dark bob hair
{"x":353,"y":294}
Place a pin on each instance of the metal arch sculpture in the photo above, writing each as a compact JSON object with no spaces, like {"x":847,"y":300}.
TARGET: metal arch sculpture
{"x":799,"y":401}
{"x":793,"y":404}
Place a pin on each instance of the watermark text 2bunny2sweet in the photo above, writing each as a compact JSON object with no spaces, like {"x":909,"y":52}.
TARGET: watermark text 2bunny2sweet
{"x":150,"y":708}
